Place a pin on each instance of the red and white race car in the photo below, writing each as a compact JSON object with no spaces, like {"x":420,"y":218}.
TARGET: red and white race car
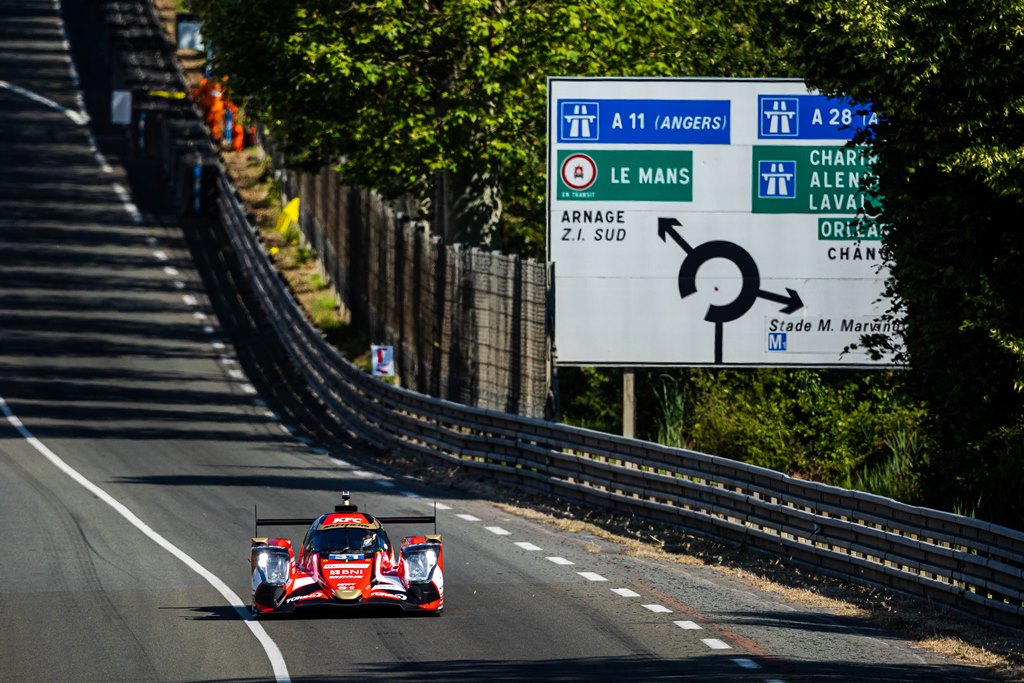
{"x":347,"y":560}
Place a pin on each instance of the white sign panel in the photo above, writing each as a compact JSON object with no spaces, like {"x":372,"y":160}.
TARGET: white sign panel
{"x":709,"y":222}
{"x":382,"y":360}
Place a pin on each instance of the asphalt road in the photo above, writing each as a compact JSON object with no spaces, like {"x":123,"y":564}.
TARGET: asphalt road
{"x":143,"y":422}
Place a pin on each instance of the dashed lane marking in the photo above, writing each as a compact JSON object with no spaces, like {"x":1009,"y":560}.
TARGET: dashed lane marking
{"x":498,"y":531}
{"x":526,"y":545}
{"x":469,"y":518}
{"x":716,"y":644}
{"x":591,"y":576}
{"x":659,"y":609}
{"x":626,"y":592}
{"x":688,"y":625}
{"x":559,"y":560}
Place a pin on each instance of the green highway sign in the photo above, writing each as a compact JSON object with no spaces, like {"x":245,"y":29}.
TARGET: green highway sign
{"x":626,"y":175}
{"x":818,"y":180}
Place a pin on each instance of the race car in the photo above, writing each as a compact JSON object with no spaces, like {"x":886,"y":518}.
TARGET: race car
{"x":347,"y":560}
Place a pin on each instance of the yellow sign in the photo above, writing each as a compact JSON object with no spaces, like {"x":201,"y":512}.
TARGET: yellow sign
{"x":289,"y":215}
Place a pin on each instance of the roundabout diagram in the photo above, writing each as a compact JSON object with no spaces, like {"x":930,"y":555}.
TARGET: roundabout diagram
{"x":750,"y":288}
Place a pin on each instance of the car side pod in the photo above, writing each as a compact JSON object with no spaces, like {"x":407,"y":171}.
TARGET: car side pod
{"x":270,"y":564}
{"x":423,"y":557}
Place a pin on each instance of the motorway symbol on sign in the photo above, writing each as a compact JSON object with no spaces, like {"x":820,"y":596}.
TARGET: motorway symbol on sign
{"x":750,"y":290}
{"x":780,"y":117}
{"x":580,"y":120}
{"x":777,"y":179}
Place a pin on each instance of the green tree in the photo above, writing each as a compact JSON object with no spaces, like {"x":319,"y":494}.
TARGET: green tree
{"x":418,"y":98}
{"x":947,"y":79}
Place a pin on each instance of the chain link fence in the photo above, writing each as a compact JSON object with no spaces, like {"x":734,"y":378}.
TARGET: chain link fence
{"x":468,"y":325}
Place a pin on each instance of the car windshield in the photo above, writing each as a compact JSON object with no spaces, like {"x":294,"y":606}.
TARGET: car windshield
{"x":344,"y":539}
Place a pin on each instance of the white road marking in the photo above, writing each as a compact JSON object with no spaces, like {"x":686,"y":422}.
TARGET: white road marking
{"x":208,"y":329}
{"x":248,"y":388}
{"x":591,"y":576}
{"x":716,"y":644}
{"x":161,"y":255}
{"x":95,"y":149}
{"x":688,"y":625}
{"x":178,"y":284}
{"x":269,"y":646}
{"x":220,"y":346}
{"x":362,"y":473}
{"x":129,"y":205}
{"x":746,"y":663}
{"x":526,"y":545}
{"x":199,"y":315}
{"x":559,"y":560}
{"x":236,"y":374}
{"x":442,"y":506}
{"x":271,"y":414}
{"x":660,"y":609}
{"x":77,"y":117}
{"x":169,"y":271}
{"x":227,"y":360}
{"x":468,"y":518}
{"x":190,"y":300}
{"x":385,"y":483}
{"x":498,"y":531}
{"x":410,"y":494}
{"x":626,"y":592}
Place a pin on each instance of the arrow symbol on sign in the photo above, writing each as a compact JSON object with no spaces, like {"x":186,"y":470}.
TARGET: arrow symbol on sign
{"x":667,"y":226}
{"x":792,"y":300}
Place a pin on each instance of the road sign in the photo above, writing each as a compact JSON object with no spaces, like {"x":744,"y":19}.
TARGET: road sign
{"x":382,"y":360}
{"x":710,"y":222}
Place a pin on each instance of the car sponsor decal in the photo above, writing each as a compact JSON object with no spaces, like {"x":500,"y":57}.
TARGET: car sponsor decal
{"x":345,"y":565}
{"x":356,"y":556}
{"x":310,"y":596}
{"x":389,"y":596}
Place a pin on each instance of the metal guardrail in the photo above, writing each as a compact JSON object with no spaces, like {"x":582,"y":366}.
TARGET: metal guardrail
{"x":964,"y":563}
{"x":957,"y":561}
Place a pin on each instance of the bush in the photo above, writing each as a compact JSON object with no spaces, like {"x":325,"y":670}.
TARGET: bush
{"x":840,"y":427}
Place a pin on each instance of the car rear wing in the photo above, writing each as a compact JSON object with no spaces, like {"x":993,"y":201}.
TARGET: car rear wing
{"x":345,"y":507}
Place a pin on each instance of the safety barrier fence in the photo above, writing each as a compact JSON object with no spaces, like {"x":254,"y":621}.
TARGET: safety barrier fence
{"x":957,"y":561}
{"x":946,"y":558}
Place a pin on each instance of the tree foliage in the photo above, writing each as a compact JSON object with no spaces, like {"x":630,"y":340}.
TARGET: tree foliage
{"x":399,"y":94}
{"x":947,"y":79}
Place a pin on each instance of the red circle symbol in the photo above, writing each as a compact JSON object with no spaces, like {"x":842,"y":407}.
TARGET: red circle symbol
{"x":579,"y":171}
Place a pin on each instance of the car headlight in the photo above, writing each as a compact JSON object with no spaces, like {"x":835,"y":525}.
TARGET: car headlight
{"x":419,"y":563}
{"x":274,"y":566}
